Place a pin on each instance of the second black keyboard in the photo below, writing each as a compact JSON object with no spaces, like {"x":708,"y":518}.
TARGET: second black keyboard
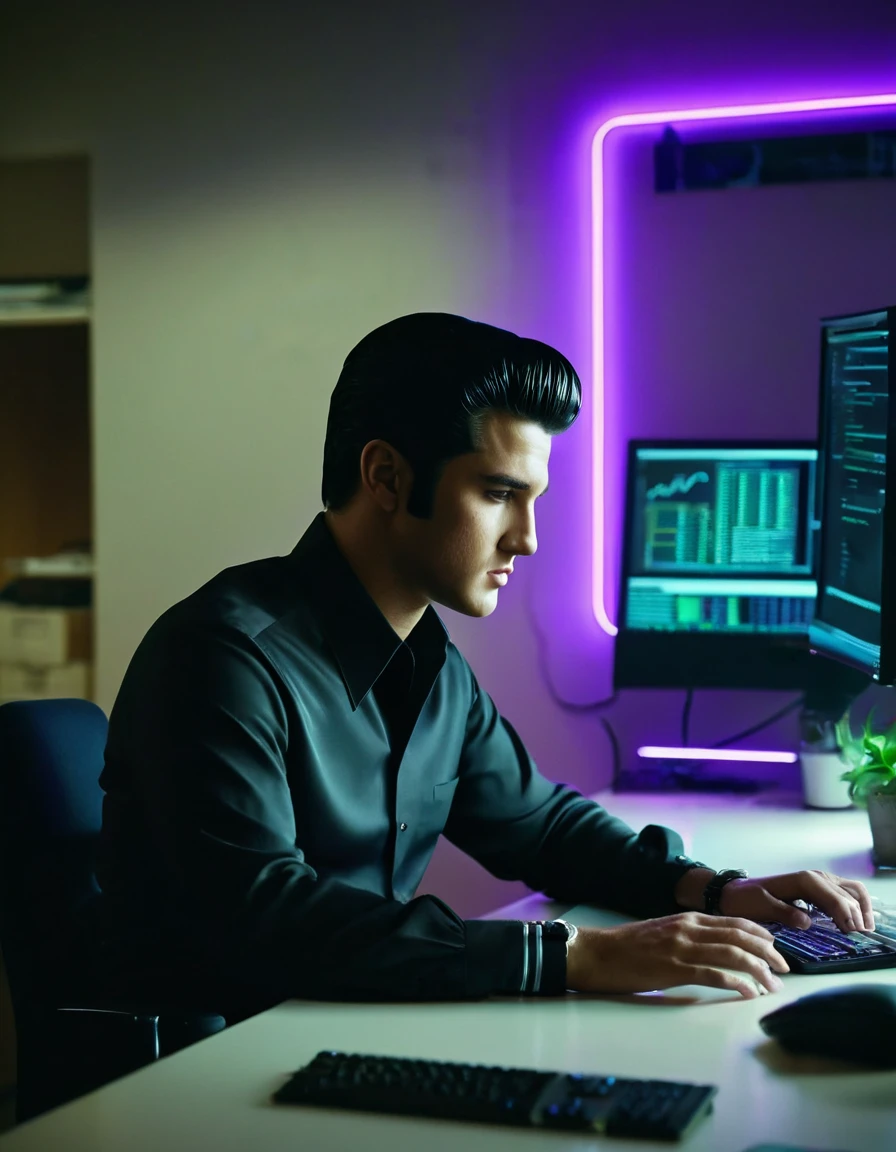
{"x":824,"y":948}
{"x":610,"y":1105}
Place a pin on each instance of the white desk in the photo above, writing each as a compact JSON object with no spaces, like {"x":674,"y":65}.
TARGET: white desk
{"x":215,"y":1095}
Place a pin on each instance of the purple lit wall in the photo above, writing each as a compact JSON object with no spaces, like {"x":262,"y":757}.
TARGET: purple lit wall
{"x":607,"y":371}
{"x":711,"y":317}
{"x":711,"y":314}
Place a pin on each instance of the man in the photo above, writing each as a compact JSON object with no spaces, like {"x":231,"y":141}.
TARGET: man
{"x":290,"y":740}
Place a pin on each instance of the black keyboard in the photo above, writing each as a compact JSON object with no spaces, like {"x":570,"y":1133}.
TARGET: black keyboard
{"x":610,"y":1105}
{"x":824,"y":948}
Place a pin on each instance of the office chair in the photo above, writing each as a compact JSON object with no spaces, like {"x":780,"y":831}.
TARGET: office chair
{"x":68,"y":1042}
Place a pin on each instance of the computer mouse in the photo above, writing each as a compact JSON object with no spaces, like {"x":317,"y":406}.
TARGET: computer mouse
{"x":856,"y":1023}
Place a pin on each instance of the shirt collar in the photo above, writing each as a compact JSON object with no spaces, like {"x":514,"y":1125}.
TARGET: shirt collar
{"x":362,"y":639}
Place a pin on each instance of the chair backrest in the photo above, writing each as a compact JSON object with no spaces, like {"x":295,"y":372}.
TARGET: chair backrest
{"x":51,"y":756}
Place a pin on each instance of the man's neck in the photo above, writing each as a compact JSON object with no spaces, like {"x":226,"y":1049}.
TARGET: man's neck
{"x":364,"y":550}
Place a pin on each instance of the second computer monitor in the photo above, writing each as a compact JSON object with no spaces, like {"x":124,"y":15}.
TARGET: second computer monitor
{"x":718,"y":574}
{"x":855,"y":619}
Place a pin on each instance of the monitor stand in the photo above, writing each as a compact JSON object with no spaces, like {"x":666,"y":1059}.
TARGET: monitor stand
{"x":687,"y":776}
{"x":829,"y":689}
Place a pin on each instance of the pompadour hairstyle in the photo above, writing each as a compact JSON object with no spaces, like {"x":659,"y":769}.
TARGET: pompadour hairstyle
{"x":423,"y":383}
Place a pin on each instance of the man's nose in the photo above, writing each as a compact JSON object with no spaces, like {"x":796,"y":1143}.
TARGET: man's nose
{"x":525,"y":540}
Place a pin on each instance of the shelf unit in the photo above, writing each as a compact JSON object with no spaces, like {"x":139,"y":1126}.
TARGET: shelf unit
{"x":45,"y":418}
{"x":45,"y":434}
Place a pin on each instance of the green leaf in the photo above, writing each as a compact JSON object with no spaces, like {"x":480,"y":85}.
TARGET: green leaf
{"x":874,"y":746}
{"x":843,"y":730}
{"x":851,"y":748}
{"x":871,"y":780}
{"x":888,"y":751}
{"x":870,"y":758}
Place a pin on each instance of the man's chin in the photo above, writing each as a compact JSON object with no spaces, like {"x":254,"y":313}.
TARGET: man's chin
{"x":476,"y":606}
{"x":482,"y":605}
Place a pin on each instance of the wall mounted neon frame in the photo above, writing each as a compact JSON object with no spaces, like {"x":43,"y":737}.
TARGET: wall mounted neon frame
{"x":793,"y":108}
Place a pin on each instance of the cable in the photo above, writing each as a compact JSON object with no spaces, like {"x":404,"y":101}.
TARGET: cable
{"x":565,"y":705}
{"x":782,"y":712}
{"x":579,"y":709}
{"x":686,"y":718}
{"x":614,"y":744}
{"x":594,"y":705}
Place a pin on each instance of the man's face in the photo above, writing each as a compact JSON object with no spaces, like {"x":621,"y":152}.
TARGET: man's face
{"x":483,"y":518}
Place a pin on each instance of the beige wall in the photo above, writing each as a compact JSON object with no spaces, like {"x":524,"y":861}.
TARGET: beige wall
{"x":246,"y":232}
{"x":265,"y":191}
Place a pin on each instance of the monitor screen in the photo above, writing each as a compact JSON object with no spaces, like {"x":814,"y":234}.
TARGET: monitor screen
{"x":854,"y":618}
{"x":718,"y":581}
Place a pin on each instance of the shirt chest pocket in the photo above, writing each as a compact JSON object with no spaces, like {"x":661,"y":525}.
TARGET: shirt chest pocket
{"x":443,"y":794}
{"x":434,"y":811}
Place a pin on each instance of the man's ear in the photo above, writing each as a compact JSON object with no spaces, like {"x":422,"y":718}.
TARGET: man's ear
{"x":385,"y":474}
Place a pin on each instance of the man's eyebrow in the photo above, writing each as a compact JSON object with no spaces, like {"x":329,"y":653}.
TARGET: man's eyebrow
{"x":505,"y":481}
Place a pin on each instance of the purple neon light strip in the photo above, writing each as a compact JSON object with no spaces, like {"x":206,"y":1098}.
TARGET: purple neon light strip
{"x":654,"y":752}
{"x":797,"y":108}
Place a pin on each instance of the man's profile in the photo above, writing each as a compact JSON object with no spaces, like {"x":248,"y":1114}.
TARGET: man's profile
{"x":290,"y":740}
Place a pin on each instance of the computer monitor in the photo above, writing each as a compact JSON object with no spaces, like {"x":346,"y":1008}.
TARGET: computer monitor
{"x":855,"y":616}
{"x":718,"y":569}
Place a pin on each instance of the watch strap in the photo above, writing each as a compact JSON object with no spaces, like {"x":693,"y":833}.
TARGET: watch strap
{"x":712,"y":893}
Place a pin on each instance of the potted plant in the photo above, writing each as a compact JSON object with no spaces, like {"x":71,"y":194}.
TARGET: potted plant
{"x":872,"y":781}
{"x":821,"y":763}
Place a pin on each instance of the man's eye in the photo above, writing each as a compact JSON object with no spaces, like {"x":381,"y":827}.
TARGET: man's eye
{"x":504,"y":496}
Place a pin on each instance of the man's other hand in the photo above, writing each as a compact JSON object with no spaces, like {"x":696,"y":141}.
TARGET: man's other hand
{"x":768,"y":898}
{"x":686,"y":948}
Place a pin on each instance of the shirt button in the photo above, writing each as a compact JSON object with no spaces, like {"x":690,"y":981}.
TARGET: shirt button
{"x":403,"y":827}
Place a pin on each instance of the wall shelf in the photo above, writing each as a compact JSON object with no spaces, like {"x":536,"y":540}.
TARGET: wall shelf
{"x":44,"y":314}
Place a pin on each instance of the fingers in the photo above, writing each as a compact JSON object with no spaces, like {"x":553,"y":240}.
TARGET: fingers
{"x":734,"y":958}
{"x":845,"y":901}
{"x":863,"y":898}
{"x":789,"y":915}
{"x":728,"y":952}
{"x":748,"y":984}
{"x":737,"y":934}
{"x":838,"y":901}
{"x":705,"y":920}
{"x":746,"y":933}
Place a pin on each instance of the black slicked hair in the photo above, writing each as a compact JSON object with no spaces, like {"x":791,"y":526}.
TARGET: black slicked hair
{"x":423,"y":383}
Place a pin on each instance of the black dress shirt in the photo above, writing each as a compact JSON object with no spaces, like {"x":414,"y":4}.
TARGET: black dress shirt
{"x":278,"y":771}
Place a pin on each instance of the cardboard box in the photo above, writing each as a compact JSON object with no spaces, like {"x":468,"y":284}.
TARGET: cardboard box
{"x":43,"y":637}
{"x":28,"y":682}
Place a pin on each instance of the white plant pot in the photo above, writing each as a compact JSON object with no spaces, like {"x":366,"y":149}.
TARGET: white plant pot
{"x":822,"y":786}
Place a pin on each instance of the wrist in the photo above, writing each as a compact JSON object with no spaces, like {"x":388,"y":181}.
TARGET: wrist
{"x":690,"y":889}
{"x":575,"y":961}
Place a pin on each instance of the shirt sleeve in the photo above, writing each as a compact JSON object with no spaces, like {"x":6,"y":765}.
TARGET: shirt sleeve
{"x":521,"y":826}
{"x":197,"y":761}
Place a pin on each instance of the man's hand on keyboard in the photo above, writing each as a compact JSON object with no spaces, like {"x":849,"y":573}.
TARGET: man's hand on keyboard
{"x":768,"y":899}
{"x":686,"y":948}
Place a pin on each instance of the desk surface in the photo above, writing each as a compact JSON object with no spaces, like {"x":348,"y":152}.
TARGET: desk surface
{"x":216,"y":1094}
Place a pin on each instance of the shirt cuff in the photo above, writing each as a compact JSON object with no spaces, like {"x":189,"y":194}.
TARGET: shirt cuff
{"x":499,"y":955}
